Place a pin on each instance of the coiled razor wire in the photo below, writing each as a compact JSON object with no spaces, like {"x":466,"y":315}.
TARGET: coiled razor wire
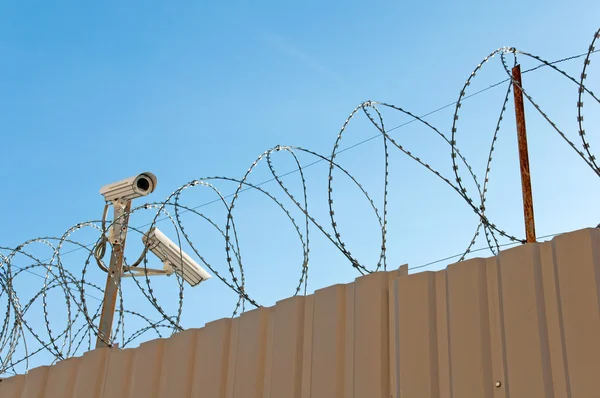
{"x":21,"y":338}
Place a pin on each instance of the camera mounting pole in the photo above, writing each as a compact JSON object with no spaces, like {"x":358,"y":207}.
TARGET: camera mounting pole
{"x":118,"y":235}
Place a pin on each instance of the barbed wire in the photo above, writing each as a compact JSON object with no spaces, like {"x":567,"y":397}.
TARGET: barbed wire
{"x":78,"y":299}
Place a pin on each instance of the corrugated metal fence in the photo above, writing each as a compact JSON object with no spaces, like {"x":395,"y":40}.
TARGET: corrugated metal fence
{"x":523,"y":324}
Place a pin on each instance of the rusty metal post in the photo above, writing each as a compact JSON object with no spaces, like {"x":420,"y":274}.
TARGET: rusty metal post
{"x":115,"y":271}
{"x":523,"y":155}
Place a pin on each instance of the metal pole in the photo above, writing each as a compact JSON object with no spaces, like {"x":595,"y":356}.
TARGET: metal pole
{"x":115,"y":270}
{"x":523,"y":155}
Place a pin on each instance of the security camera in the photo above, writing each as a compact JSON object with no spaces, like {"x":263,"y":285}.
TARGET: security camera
{"x":170,"y":254}
{"x":130,"y":188}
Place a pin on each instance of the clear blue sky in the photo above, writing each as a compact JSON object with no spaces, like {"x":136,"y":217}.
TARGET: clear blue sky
{"x":92,"y":93}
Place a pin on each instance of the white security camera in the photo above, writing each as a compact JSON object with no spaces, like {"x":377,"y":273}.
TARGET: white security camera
{"x":171,"y":255}
{"x":130,"y":188}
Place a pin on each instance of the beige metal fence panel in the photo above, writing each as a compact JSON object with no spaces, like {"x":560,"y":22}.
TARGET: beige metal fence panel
{"x":469,"y":331}
{"x":178,"y":364}
{"x":35,"y":383}
{"x":247,"y":354}
{"x":211,"y":360}
{"x":525,"y":323}
{"x":61,"y":378}
{"x":284,"y":376}
{"x":554,"y":322}
{"x":91,"y":374}
{"x":117,"y":377}
{"x":414,"y":332}
{"x":146,"y":369}
{"x":307,"y":349}
{"x":577,"y":265}
{"x":497,"y":334}
{"x":327,"y":351}
{"x":370,"y":340}
{"x":524,"y":318}
{"x":12,"y":387}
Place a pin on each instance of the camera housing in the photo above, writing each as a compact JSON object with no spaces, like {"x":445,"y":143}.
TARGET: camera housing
{"x":172,"y":255}
{"x":130,"y":188}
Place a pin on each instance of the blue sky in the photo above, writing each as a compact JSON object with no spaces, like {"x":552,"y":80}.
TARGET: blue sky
{"x":92,"y":93}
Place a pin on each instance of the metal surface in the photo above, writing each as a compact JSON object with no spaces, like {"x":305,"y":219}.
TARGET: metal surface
{"x":522,"y":324}
{"x":115,"y":272}
{"x":523,"y":155}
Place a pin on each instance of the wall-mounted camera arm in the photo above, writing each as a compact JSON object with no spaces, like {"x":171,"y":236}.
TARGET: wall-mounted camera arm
{"x":131,"y":271}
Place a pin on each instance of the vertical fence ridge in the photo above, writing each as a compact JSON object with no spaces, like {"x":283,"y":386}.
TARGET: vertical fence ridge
{"x":554,"y":320}
{"x":449,"y":335}
{"x":443,"y":336}
{"x":540,"y":298}
{"x":497,"y":329}
{"x":307,"y":346}
{"x":350,"y":371}
{"x":433,"y":333}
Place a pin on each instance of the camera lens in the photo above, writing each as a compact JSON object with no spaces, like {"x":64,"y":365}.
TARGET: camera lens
{"x":143,"y":184}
